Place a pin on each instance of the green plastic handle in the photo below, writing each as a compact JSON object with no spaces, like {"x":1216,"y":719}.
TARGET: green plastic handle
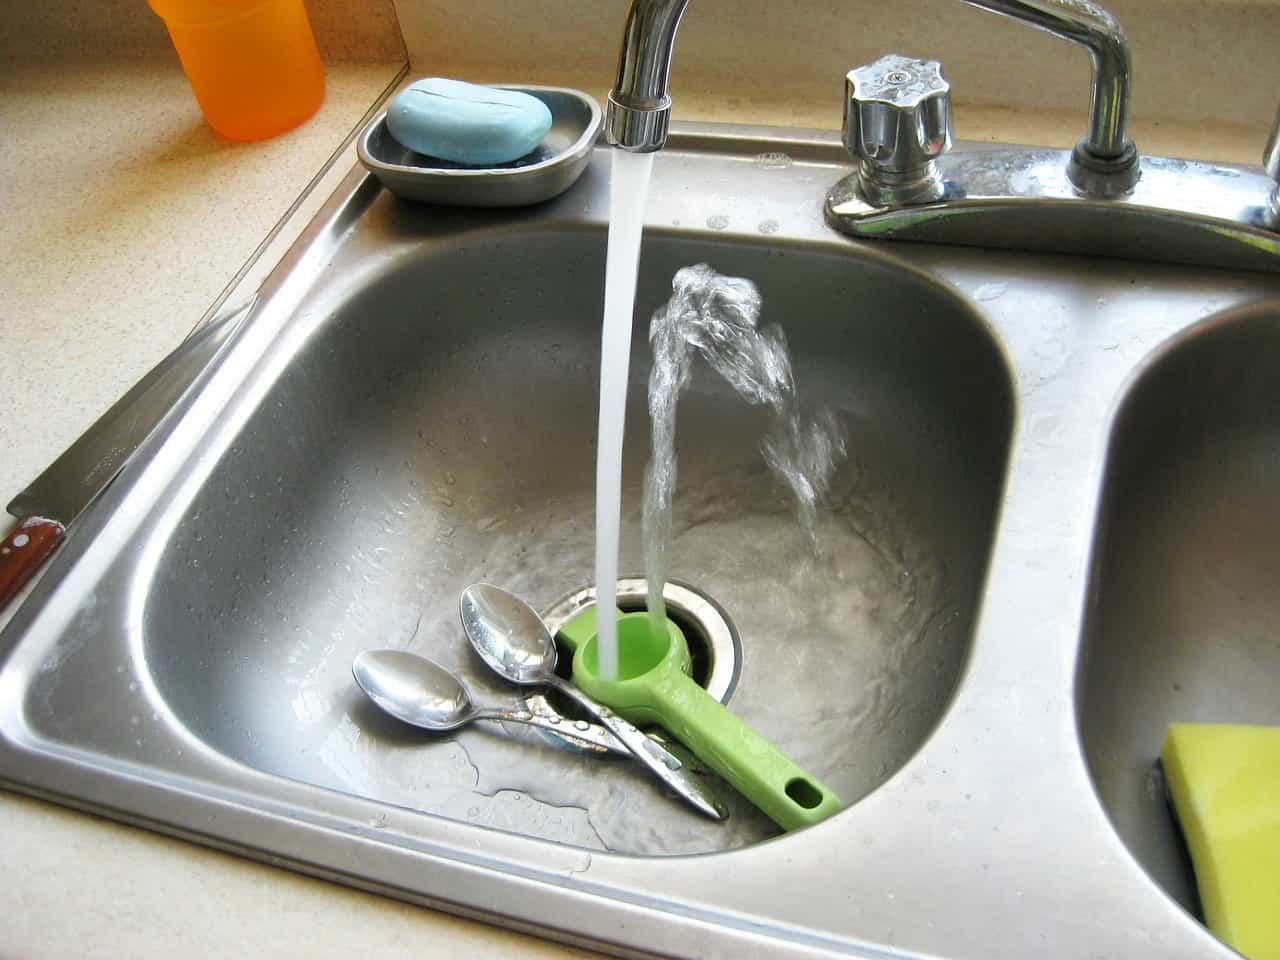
{"x":580,"y":629}
{"x":783,"y":790}
{"x":654,"y":687}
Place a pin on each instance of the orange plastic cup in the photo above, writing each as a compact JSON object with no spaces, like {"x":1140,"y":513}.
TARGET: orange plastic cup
{"x":252,"y":64}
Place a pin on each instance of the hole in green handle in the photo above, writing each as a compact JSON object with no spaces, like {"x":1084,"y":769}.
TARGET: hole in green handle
{"x":803,"y":792}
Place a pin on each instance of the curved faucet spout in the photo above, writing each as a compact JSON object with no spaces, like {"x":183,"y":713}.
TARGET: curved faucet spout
{"x":1104,"y":162}
{"x":639,"y":109}
{"x":1087,"y":24}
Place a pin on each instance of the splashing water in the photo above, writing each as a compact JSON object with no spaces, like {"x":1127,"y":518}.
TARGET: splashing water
{"x":718,"y":317}
{"x":629,"y":187}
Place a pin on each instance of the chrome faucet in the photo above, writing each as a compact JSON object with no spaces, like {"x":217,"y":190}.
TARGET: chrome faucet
{"x":639,"y":106}
{"x":639,"y":109}
{"x":1099,"y":197}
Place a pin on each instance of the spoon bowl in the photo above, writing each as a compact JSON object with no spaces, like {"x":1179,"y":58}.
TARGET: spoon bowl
{"x":508,"y":635}
{"x":414,"y":689}
{"x":424,"y":694}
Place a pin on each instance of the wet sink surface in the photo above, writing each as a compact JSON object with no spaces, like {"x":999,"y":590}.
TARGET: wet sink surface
{"x":425,"y":440}
{"x":1049,"y":540}
{"x":1187,"y":621}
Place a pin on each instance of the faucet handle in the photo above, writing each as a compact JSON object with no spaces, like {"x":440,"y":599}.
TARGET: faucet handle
{"x":897,"y":122}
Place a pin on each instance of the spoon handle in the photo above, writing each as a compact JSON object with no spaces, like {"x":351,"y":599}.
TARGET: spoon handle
{"x":679,"y":778}
{"x":588,"y":737}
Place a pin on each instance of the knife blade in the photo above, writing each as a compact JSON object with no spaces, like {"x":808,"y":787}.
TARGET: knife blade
{"x":51,"y":503}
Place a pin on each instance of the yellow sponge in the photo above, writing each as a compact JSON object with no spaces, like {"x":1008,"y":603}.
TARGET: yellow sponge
{"x":1225,"y":783}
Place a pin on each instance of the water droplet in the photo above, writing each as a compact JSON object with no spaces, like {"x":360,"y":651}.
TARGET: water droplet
{"x":773,"y":160}
{"x":717,"y":222}
{"x":991,"y":291}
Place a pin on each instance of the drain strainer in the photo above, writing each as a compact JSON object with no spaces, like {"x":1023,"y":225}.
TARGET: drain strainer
{"x":714,"y":647}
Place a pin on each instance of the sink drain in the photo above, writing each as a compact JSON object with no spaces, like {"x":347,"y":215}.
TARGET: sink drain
{"x":714,"y":647}
{"x":713,"y":642}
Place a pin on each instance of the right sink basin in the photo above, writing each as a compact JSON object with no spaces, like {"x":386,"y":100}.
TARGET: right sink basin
{"x":1184,"y":618}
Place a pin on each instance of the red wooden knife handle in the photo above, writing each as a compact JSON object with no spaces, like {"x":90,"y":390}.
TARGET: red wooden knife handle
{"x":23,"y":550}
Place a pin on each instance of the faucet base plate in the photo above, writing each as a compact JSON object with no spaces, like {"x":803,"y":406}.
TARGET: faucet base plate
{"x":1178,"y":211}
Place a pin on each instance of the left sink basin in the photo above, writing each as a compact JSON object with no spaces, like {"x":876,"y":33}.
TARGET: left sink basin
{"x":427,"y":435}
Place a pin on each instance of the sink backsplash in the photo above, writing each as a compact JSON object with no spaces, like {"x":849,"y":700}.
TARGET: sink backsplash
{"x":1203,"y":73}
{"x":1196,"y":65}
{"x":346,"y":30}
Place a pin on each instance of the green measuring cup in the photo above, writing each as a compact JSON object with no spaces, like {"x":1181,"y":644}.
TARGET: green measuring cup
{"x":654,"y":686}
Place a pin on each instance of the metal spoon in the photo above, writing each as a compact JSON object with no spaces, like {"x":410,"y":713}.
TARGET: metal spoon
{"x":512,"y":639}
{"x":423,"y":693}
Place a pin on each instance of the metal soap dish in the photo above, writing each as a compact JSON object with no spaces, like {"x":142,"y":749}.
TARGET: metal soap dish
{"x":552,"y":168}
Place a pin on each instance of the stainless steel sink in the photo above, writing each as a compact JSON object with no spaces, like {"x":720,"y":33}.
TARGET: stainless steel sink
{"x":1186,"y":620}
{"x":410,"y":407}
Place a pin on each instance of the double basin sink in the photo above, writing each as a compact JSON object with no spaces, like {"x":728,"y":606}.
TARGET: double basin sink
{"x":1053,"y":535}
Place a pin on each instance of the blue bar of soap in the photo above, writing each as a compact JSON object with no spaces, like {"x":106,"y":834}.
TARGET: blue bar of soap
{"x":466,"y":123}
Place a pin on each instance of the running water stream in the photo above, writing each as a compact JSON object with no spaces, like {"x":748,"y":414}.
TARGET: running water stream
{"x":718,"y":317}
{"x":629,"y":187}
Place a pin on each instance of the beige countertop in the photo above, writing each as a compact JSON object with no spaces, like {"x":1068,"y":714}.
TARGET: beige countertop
{"x":126,"y":217}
